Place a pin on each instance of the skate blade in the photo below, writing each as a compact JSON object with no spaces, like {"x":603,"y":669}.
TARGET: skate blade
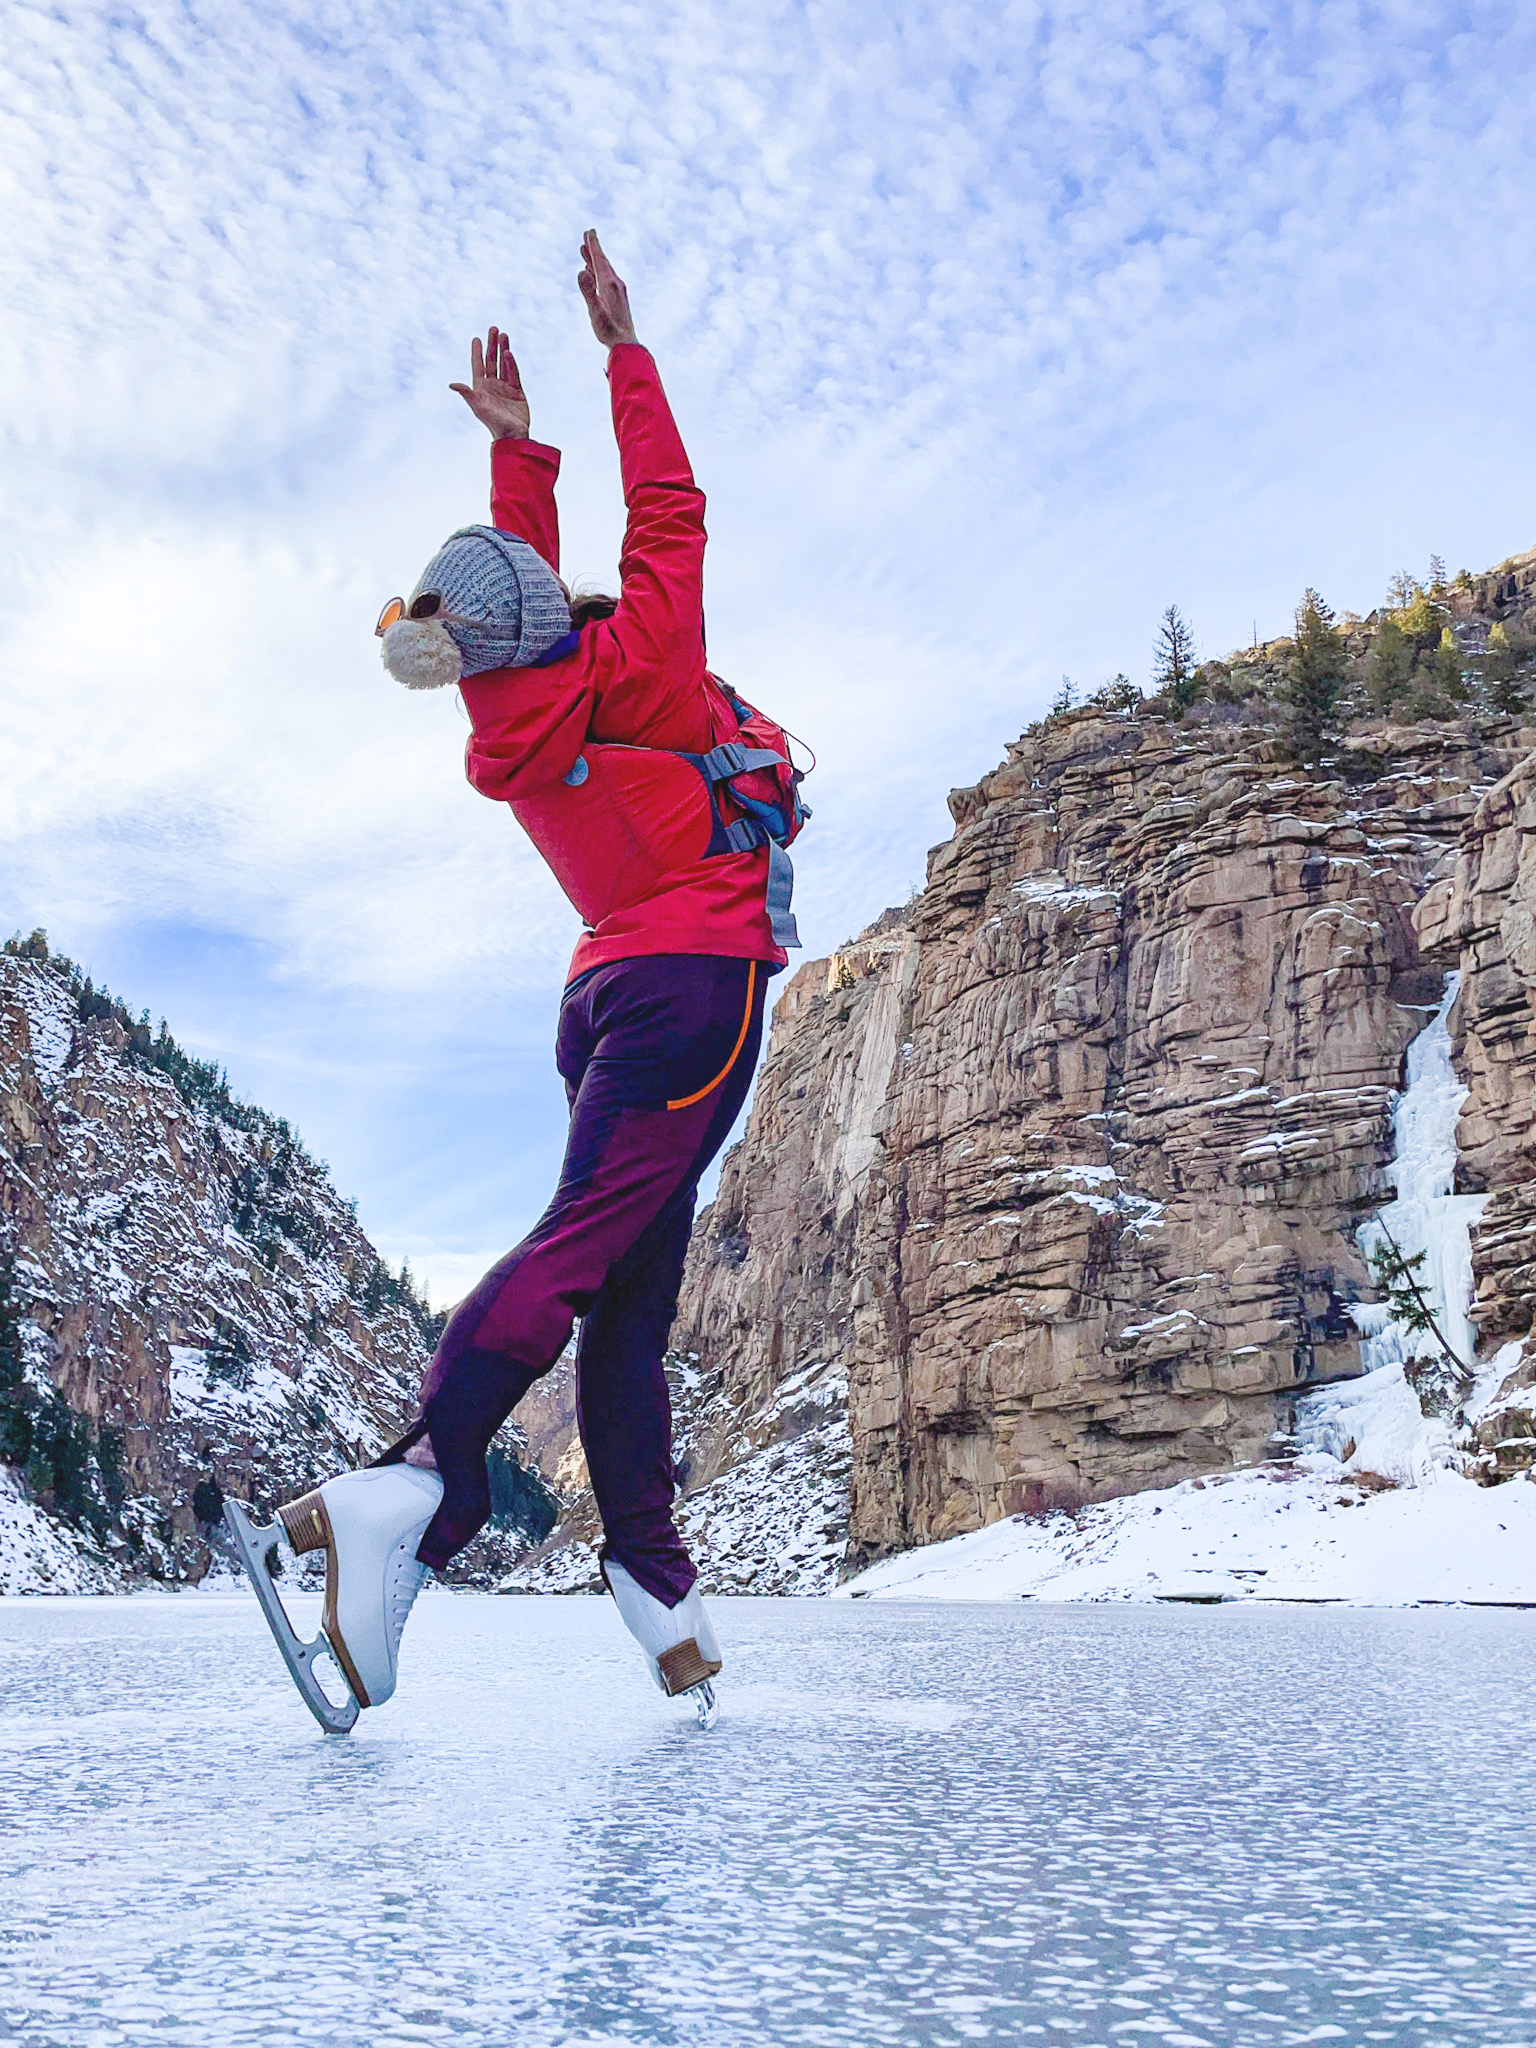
{"x":705,"y":1705}
{"x":255,"y":1547}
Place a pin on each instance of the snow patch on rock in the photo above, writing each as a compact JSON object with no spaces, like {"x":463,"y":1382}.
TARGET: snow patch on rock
{"x":41,"y":1555}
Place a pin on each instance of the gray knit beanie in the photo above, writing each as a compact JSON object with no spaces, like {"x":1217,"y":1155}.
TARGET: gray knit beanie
{"x":503,"y":587}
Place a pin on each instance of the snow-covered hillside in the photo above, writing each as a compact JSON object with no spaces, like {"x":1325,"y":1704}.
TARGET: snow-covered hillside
{"x":187,"y":1305}
{"x":772,"y":1519}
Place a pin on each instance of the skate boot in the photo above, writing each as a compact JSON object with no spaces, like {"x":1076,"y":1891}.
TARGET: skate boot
{"x":680,"y":1648}
{"x":368,"y":1524}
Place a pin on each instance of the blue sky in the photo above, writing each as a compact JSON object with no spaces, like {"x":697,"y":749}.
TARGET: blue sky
{"x":991,"y":329}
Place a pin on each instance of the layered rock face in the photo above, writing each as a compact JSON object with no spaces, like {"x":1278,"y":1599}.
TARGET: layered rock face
{"x":1483,"y":917}
{"x":1060,"y":1168}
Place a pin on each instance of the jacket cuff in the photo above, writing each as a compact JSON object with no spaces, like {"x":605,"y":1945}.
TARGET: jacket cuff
{"x":631,"y":355}
{"x":509,"y":454}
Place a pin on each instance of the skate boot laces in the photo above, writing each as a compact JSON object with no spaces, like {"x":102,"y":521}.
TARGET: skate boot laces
{"x":410,"y":1575}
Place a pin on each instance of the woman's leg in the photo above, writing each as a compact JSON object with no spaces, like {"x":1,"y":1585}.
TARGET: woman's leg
{"x":659,"y":1054}
{"x":623,"y":1408}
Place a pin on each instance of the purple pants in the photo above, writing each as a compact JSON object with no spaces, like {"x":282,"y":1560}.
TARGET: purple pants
{"x":657,"y":1055}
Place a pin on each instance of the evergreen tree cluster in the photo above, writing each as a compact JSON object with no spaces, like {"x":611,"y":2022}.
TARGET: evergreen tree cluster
{"x":200,"y":1083}
{"x":1416,"y":665}
{"x":75,"y":1467}
{"x":381,"y":1289}
{"x":520,"y":1499}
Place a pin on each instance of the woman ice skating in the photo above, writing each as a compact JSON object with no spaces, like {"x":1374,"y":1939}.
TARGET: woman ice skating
{"x":663,"y":804}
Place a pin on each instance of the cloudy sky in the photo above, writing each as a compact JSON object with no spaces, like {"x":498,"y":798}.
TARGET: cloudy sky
{"x":992,"y":329}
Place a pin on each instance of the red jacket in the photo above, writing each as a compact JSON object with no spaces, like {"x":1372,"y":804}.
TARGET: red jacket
{"x":624,"y":840}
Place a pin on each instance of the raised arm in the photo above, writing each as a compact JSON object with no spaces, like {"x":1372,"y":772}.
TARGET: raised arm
{"x":523,"y":471}
{"x":653,"y":672}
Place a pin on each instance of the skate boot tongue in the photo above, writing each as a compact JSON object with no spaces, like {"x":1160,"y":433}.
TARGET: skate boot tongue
{"x":369,"y":1524}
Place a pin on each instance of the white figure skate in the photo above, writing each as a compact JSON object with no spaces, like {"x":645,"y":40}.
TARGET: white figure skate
{"x":368,"y":1524}
{"x":681,"y":1650}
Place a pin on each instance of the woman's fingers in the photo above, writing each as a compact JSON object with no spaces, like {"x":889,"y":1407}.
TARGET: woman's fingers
{"x":476,"y":361}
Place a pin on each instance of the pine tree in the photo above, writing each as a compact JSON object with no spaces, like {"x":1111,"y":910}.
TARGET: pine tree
{"x":1173,"y":662}
{"x":229,"y":1355}
{"x":1389,"y":669}
{"x":1507,"y":691}
{"x":1397,"y":1277}
{"x":1316,"y":677}
{"x":11,"y":1361}
{"x":1448,"y":675}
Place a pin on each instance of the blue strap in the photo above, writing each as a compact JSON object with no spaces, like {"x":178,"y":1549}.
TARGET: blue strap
{"x":742,"y":835}
{"x":781,"y":887}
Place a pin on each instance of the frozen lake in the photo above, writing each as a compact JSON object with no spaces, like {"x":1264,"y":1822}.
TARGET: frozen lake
{"x":914,"y":1823}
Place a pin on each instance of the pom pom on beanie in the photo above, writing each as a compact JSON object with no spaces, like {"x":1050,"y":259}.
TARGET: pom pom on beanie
{"x":422,"y":654}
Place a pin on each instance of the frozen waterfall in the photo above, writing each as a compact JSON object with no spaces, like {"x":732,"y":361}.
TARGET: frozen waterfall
{"x":1426,"y":1215}
{"x":1376,"y":1423}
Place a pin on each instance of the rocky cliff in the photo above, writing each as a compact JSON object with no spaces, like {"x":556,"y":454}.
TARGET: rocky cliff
{"x":1052,"y":1178}
{"x":187,"y":1306}
{"x":1482,"y":917}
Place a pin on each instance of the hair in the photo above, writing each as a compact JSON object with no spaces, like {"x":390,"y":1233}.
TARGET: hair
{"x":587,"y":606}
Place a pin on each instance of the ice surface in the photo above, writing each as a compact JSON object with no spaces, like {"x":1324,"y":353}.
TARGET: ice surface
{"x":915,"y":1824}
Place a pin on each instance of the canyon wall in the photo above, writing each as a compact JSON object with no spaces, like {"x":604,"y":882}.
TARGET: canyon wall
{"x":1052,"y":1176}
{"x":1060,"y":1167}
{"x":1482,"y":917}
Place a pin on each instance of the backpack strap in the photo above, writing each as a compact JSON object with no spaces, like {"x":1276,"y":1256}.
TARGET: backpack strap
{"x":732,"y":758}
{"x":744,"y":835}
{"x":762,"y":827}
{"x":781,"y":887}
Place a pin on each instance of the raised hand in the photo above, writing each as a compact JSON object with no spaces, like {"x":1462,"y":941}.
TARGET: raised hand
{"x":496,"y":395}
{"x":603,"y":290}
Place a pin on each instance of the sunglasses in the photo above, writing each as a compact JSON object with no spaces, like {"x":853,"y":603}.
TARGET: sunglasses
{"x":429,"y":606}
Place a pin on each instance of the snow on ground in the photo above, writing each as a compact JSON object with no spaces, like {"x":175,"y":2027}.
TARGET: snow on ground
{"x":1303,"y":1531}
{"x":1374,"y":1509}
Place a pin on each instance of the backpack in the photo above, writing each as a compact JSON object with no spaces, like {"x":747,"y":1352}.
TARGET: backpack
{"x":754,"y":798}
